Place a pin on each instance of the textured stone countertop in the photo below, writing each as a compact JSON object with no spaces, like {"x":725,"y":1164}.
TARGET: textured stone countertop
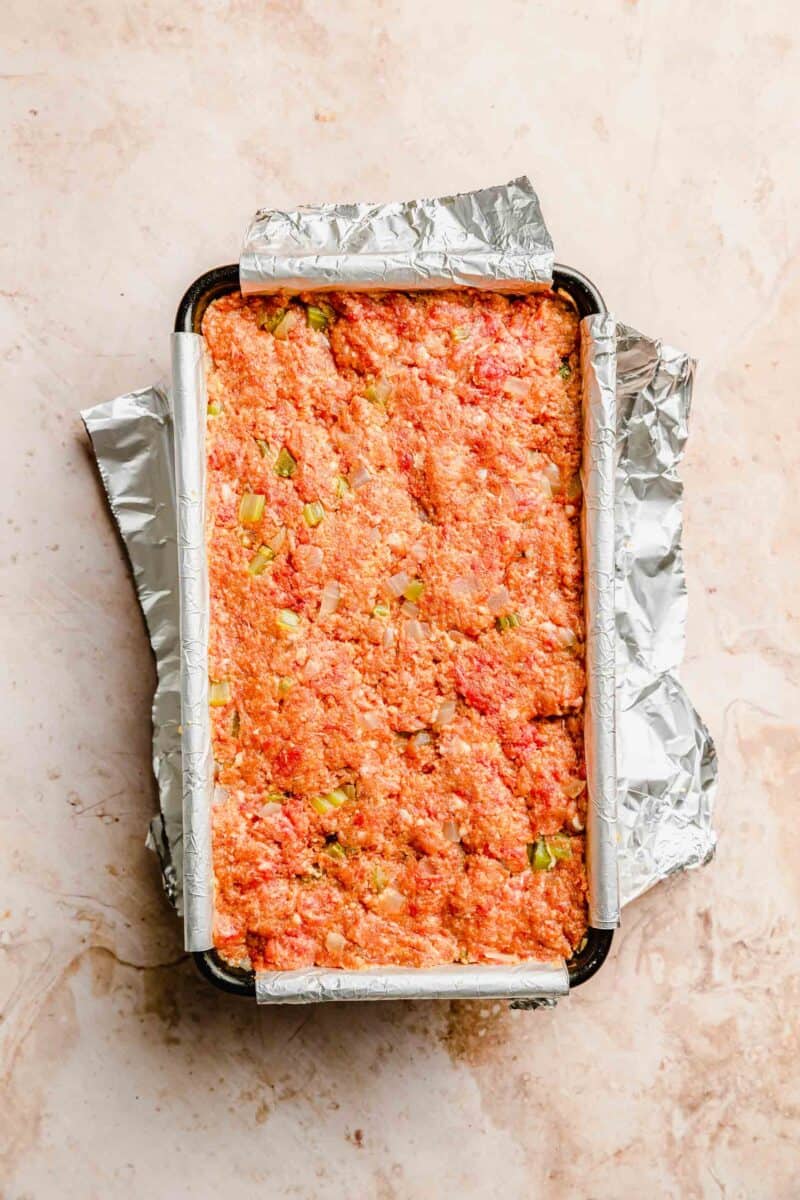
{"x":664,"y":140}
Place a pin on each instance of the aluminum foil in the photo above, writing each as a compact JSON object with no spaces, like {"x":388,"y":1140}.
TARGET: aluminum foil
{"x":667,"y":765}
{"x":598,"y":364}
{"x":492,"y":238}
{"x":190,"y":406}
{"x":524,"y":981}
{"x":132,"y":441}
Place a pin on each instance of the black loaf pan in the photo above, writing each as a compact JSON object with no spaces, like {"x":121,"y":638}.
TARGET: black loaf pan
{"x":590,"y":958}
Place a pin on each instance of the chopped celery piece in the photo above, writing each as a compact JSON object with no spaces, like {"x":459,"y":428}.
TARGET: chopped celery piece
{"x":270,"y":320}
{"x":381,"y":609}
{"x":288,"y":619}
{"x":336,"y":851}
{"x":275,"y":798}
{"x":313,"y":514}
{"x":379,"y":879}
{"x":460,"y":333}
{"x":214,"y":408}
{"x":285,"y":685}
{"x":330,"y":801}
{"x":540,"y":856}
{"x":414,"y":590}
{"x":560,"y":847}
{"x":378,"y":392}
{"x":219,"y":693}
{"x":251,"y":508}
{"x":317,"y":318}
{"x":565,"y":370}
{"x":261,"y":560}
{"x":263,"y":447}
{"x":341,"y":486}
{"x":285,"y":464}
{"x":510,"y":621}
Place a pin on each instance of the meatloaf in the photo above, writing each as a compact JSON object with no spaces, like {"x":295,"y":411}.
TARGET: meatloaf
{"x":396,"y":647}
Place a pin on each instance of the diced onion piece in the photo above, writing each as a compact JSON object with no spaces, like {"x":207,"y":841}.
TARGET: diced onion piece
{"x":391,"y":902}
{"x":498,"y":600}
{"x":286,"y":323}
{"x":577,"y":823}
{"x":214,"y":408}
{"x":398,"y":583}
{"x":413,"y":591}
{"x":509,"y":621}
{"x":451,"y":831}
{"x":462,"y":586}
{"x":261,"y":560}
{"x":285,"y":685}
{"x":561,"y":635}
{"x":288,"y":619}
{"x":340,"y":486}
{"x":408,"y":609}
{"x":389,"y":635}
{"x":445,"y":713}
{"x":317,"y":318}
{"x":219,"y":693}
{"x":540,"y":856}
{"x":423,"y":738}
{"x":573,"y":788}
{"x":313,"y":513}
{"x":334,"y":942}
{"x":270,"y":808}
{"x":251,"y":508}
{"x":415,"y":631}
{"x":285,"y":464}
{"x":460,"y":333}
{"x":371,"y":719}
{"x":381,"y":609}
{"x":553,"y":476}
{"x":278,"y":538}
{"x":330,"y":598}
{"x":360,"y":477}
{"x":264,"y":448}
{"x":516,"y":387}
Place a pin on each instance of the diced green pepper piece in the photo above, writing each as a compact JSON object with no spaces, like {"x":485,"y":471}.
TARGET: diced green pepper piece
{"x":565,"y":370}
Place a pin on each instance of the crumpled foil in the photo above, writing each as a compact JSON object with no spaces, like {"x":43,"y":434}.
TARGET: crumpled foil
{"x":598,"y":366}
{"x":490,"y":238}
{"x":666,"y":761}
{"x":527,"y":982}
{"x":667,"y":765}
{"x":131,"y":438}
{"x":190,"y":405}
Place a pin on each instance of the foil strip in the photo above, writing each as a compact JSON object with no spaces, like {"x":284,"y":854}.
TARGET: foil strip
{"x":190,"y":407}
{"x":492,"y":238}
{"x":666,"y":761}
{"x":523,"y":981}
{"x":131,"y":438}
{"x":598,"y":364}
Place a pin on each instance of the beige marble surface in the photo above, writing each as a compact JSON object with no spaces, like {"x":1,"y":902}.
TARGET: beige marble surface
{"x":138,"y":136}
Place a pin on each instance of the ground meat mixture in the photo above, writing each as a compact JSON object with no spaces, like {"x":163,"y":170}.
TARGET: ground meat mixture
{"x":396,"y":651}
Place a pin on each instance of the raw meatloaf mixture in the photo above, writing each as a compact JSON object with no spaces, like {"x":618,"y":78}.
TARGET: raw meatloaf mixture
{"x":396,"y":652}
